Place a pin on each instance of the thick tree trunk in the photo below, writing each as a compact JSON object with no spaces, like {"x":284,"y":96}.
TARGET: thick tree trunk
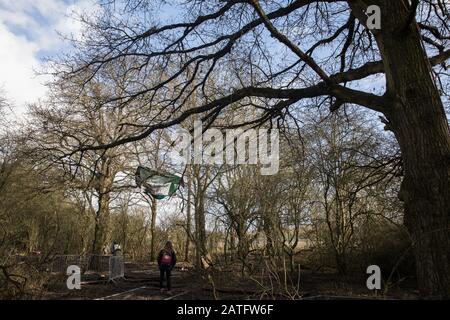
{"x":419,"y":122}
{"x":100,"y":231}
{"x":104,"y":183}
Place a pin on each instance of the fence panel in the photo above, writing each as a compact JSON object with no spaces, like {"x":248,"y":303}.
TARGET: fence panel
{"x":113,"y":265}
{"x":116,"y":267}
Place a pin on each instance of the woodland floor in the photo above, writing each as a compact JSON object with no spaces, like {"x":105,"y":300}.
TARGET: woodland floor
{"x":141,"y":282}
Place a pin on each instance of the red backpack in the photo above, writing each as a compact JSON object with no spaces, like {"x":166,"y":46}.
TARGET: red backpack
{"x":166,"y":259}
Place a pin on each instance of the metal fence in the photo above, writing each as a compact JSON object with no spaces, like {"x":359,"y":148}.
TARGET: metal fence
{"x":59,"y":263}
{"x":116,"y":267}
{"x":112,"y":265}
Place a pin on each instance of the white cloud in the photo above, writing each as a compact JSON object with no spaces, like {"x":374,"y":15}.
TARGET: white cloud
{"x":27,"y":29}
{"x":17,"y":60}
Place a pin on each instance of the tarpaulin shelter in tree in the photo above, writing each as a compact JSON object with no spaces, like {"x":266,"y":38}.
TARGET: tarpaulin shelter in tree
{"x":156,"y":183}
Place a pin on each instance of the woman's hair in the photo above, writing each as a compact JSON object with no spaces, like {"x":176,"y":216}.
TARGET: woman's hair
{"x":168,"y":247}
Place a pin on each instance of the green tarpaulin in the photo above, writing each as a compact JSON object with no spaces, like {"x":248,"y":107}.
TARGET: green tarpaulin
{"x":157,"y":184}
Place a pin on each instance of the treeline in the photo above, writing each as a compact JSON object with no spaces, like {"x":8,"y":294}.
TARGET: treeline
{"x":332,"y":205}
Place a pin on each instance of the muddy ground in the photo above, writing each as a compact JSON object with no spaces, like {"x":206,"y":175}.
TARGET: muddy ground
{"x":141,"y":282}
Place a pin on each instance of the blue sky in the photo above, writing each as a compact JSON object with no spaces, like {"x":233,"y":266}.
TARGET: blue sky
{"x":28,"y":33}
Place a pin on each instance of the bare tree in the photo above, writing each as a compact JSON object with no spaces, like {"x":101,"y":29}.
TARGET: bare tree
{"x":62,"y":122}
{"x":279,"y":55}
{"x":348,"y":164}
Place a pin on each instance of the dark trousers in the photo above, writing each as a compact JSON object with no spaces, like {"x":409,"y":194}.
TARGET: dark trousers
{"x":163,"y":271}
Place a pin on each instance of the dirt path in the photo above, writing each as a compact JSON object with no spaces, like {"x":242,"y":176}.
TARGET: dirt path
{"x":143,"y":293}
{"x":141,"y":282}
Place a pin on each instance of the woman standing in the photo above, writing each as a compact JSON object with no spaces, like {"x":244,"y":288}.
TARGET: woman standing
{"x":166,"y":261}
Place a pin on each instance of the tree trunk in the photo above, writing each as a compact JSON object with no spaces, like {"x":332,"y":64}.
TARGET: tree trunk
{"x":100,"y":231}
{"x":341,"y":263}
{"x":152,"y":230}
{"x":200,"y":232}
{"x":242,"y":245}
{"x":188,"y":218}
{"x":199,"y":215}
{"x":291,"y":261}
{"x":419,"y":123}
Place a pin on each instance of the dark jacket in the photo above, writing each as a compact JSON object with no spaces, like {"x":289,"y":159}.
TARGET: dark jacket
{"x":174,"y":259}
